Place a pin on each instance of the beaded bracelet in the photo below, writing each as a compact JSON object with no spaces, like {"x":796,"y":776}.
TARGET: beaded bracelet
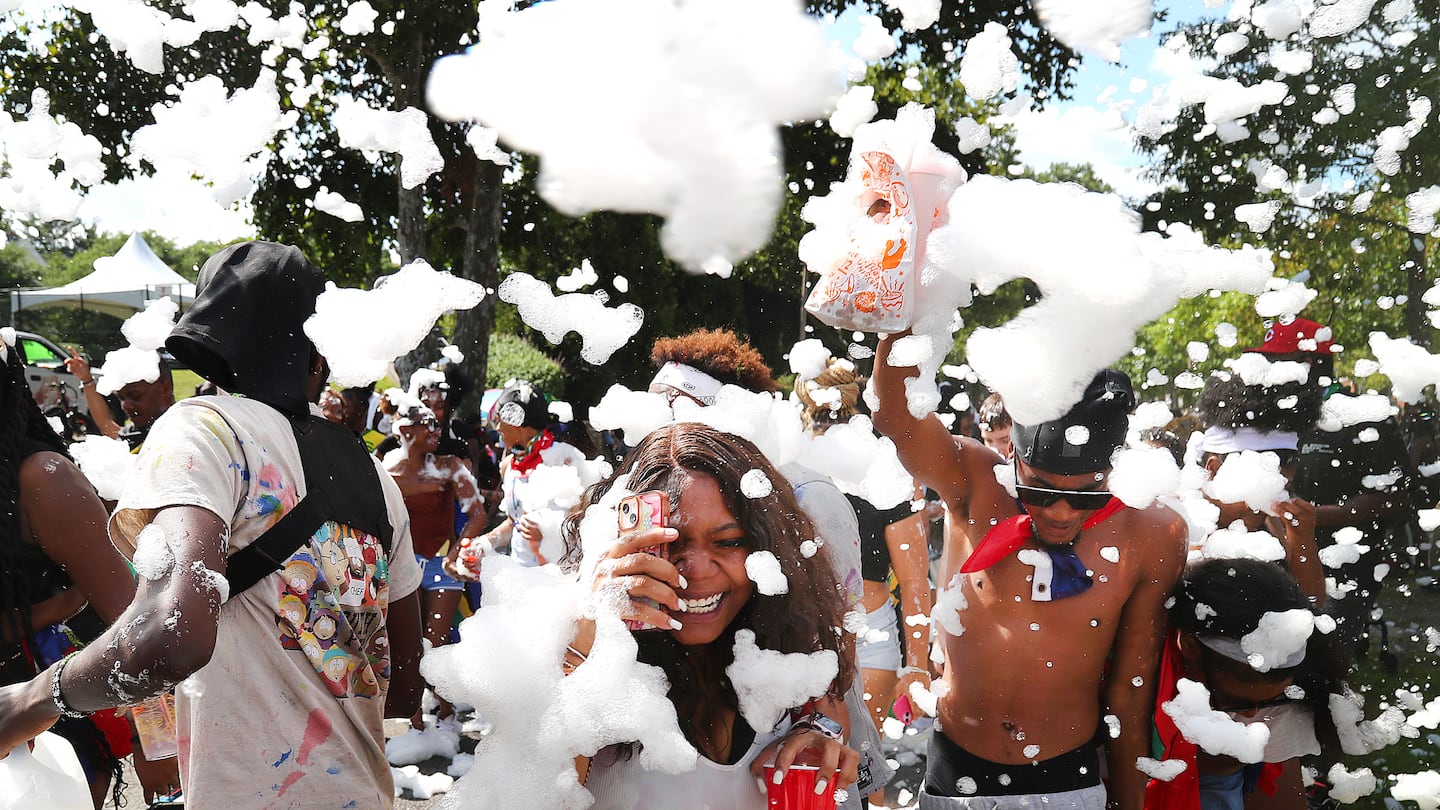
{"x":60,"y":704}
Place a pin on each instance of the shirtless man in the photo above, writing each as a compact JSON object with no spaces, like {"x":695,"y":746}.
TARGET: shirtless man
{"x":1049,"y":663}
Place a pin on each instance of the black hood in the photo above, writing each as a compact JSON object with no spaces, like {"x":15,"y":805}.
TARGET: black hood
{"x":245,"y":331}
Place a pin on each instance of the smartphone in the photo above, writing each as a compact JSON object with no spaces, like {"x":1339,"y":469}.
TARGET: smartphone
{"x":637,"y":513}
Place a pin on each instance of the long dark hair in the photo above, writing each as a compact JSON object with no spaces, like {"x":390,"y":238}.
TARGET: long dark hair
{"x":805,"y":619}
{"x":23,"y":431}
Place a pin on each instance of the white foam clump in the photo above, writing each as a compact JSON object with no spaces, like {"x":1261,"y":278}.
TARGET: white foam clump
{"x":153,"y":557}
{"x":854,"y":108}
{"x":335,"y":204}
{"x":769,"y":683}
{"x":1258,"y":216}
{"x":507,"y":664}
{"x":582,"y":276}
{"x":873,"y":43}
{"x":1215,"y":732}
{"x":485,"y":143}
{"x":421,"y":786}
{"x":602,"y":329}
{"x":1142,"y":474}
{"x":214,"y":580}
{"x":1338,"y":18}
{"x":1235,"y":542}
{"x":860,"y":462}
{"x":139,"y":362}
{"x":916,"y":15}
{"x":359,"y":19}
{"x":1409,"y":367}
{"x":647,"y":106}
{"x":1164,"y":770}
{"x":988,"y":66}
{"x":1090,"y":309}
{"x":763,"y":568}
{"x":1359,"y":736}
{"x":1278,"y":19}
{"x":1341,"y":412}
{"x":1423,"y":788}
{"x":1347,"y":786}
{"x":635,"y":412}
{"x":404,"y":305}
{"x":417,"y":745}
{"x":1284,"y":298}
{"x":808,"y":358}
{"x":213,"y":134}
{"x":949,"y":603}
{"x":1420,"y":209}
{"x":141,"y":31}
{"x":402,"y":132}
{"x":756,"y":484}
{"x":107,"y":463}
{"x":29,"y":150}
{"x":1248,"y":477}
{"x":1227,"y":100}
{"x":1429,"y":519}
{"x":1099,"y":28}
{"x":972,"y":134}
{"x":1278,"y":636}
{"x":769,"y":421}
{"x":1255,"y":369}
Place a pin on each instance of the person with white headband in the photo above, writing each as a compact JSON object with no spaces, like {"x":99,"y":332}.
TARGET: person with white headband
{"x":1242,"y":421}
{"x":1244,"y":630}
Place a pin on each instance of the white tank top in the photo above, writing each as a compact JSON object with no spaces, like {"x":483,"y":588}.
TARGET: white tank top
{"x":624,"y":785}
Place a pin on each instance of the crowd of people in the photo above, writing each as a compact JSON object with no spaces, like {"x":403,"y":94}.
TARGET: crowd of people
{"x":292,"y":548}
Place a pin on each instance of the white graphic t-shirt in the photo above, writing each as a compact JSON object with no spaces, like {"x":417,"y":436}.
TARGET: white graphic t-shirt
{"x":289,"y":711}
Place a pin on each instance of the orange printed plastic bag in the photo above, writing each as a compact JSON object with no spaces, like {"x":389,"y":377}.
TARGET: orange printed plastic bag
{"x":869,"y":241}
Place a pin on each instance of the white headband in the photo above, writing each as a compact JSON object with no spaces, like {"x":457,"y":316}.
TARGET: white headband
{"x":1231,"y":649}
{"x":1221,"y":441}
{"x":688,"y":380}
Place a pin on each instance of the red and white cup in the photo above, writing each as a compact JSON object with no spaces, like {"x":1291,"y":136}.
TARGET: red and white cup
{"x":797,"y":790}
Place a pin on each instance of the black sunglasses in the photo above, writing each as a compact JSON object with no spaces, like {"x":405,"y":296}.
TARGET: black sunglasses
{"x":1081,"y":500}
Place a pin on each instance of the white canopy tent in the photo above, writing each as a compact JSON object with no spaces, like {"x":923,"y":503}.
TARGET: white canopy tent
{"x":120,"y":285}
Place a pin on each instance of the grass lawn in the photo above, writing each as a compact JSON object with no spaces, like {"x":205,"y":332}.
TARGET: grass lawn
{"x":1412,"y":614}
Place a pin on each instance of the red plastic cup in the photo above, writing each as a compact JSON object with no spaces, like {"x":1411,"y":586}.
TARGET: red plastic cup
{"x":797,"y":790}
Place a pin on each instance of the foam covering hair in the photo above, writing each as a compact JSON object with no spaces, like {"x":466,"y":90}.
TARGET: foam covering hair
{"x":245,"y":331}
{"x":1103,"y":411}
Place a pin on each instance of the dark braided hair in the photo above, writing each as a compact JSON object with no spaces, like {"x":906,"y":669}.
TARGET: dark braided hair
{"x":25,"y":431}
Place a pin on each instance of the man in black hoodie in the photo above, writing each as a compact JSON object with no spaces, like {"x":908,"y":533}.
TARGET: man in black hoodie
{"x":277,"y":585}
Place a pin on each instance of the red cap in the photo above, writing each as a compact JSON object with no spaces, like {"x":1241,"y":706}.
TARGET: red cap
{"x":1297,"y":335}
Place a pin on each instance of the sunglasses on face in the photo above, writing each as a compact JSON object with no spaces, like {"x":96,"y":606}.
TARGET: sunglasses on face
{"x":1079,"y":499}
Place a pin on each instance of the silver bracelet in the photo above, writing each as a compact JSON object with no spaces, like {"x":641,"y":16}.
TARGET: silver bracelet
{"x":60,"y":704}
{"x":902,"y":672}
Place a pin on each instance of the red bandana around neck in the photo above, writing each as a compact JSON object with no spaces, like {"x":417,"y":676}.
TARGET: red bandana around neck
{"x":1010,"y":534}
{"x":523,"y":464}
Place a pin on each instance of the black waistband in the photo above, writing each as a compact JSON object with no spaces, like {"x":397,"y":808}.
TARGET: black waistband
{"x":949,"y":765}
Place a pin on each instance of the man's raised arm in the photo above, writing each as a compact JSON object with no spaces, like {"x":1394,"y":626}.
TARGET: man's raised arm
{"x":924,"y":446}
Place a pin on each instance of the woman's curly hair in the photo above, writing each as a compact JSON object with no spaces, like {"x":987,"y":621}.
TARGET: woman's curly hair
{"x":719,"y":353}
{"x":1227,"y":402}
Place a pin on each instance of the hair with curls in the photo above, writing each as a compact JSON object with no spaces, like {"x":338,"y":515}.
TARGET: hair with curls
{"x":1227,"y":402}
{"x":1236,"y":594}
{"x":719,"y":353}
{"x":805,"y":619}
{"x":840,"y":376}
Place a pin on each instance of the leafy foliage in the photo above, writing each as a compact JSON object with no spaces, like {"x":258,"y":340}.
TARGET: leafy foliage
{"x":512,"y":358}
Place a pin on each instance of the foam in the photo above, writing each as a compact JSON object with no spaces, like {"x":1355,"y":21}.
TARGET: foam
{"x":648,"y":106}
{"x":602,"y":329}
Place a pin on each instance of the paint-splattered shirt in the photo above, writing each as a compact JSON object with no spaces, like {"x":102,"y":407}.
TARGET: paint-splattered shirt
{"x":289,"y":712}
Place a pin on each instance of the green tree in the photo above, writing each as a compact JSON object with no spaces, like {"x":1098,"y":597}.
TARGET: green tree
{"x":1354,"y":242}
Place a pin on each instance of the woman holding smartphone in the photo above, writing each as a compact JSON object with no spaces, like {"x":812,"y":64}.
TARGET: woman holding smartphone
{"x":697,"y":593}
